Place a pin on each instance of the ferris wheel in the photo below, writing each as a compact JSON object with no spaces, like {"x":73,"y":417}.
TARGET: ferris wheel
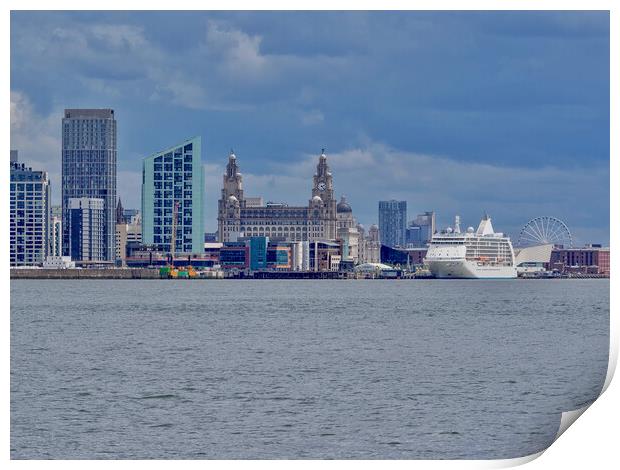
{"x":545,"y":230}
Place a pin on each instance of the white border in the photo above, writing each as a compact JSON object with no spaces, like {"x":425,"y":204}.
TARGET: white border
{"x":592,"y":442}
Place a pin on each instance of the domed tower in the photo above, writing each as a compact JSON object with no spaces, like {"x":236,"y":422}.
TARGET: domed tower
{"x":323,"y":187}
{"x":231,"y":201}
{"x":344,"y":214}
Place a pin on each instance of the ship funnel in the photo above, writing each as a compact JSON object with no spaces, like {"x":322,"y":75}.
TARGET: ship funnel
{"x":457,"y":224}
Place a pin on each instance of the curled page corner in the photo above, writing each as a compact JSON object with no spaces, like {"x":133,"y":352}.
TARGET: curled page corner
{"x":568,"y":418}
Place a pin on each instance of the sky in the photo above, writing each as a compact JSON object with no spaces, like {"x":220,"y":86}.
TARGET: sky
{"x":457,"y":112}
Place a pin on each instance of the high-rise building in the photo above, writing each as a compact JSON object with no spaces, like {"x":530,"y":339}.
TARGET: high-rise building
{"x":392,"y":222}
{"x":420,"y":230}
{"x":29,"y":214}
{"x":89,"y":167}
{"x":240,"y":216}
{"x":86,"y":228}
{"x":173,"y":188}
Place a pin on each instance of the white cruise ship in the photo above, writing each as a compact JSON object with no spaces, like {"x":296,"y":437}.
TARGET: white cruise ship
{"x":480,"y":254}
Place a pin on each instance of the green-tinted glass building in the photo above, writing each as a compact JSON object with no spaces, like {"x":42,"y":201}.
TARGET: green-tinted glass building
{"x":174,"y":177}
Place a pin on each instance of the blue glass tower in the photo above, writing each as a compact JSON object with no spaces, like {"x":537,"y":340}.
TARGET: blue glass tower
{"x":392,"y":222}
{"x":173,"y":182}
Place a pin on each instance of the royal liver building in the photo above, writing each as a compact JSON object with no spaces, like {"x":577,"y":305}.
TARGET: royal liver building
{"x":239,"y":216}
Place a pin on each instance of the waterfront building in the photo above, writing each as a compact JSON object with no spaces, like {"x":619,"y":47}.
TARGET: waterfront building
{"x":258,"y":253}
{"x":347,"y":231}
{"x":145,"y":257}
{"x":127,"y":234}
{"x":392,"y":222}
{"x":89,"y":168}
{"x":591,"y":259}
{"x":325,"y":255}
{"x":237,"y":218}
{"x":279,"y":256}
{"x":173,"y":188}
{"x":29,"y":214}
{"x":300,"y":256}
{"x":235,"y":255}
{"x":58,"y":262}
{"x":369,"y":245}
{"x":403,"y":257}
{"x":420,"y":231}
{"x":87,"y":229}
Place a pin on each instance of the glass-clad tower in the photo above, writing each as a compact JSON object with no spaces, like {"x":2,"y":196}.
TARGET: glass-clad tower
{"x":89,"y":167}
{"x":173,"y":182}
{"x":392,"y":222}
{"x":29,"y":214}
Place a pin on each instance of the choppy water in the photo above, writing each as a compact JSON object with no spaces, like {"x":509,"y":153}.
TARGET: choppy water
{"x":301,"y":369}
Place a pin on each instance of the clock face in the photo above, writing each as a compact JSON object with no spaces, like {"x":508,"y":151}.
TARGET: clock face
{"x":321,"y":186}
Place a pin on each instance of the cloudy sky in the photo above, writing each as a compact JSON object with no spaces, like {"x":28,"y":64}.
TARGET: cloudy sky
{"x":461,"y":113}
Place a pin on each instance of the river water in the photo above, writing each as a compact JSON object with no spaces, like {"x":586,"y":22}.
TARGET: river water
{"x":236,"y":369}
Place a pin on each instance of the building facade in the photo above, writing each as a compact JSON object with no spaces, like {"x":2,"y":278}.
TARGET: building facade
{"x":55,"y":236}
{"x":87,"y":229}
{"x":29,"y":214}
{"x":347,"y":231}
{"x":89,"y":167}
{"x":392,"y":222}
{"x":593,"y":259}
{"x":237,"y":218}
{"x":127,"y":234}
{"x":420,"y":230}
{"x":369,"y":245}
{"x":173,"y":198}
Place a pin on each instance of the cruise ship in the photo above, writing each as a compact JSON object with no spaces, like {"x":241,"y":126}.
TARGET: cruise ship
{"x":480,"y":254}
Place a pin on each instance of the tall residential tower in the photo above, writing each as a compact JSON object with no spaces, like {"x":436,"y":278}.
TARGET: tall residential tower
{"x":173,"y":185}
{"x":29,"y":214}
{"x":89,"y":168}
{"x":392,"y":222}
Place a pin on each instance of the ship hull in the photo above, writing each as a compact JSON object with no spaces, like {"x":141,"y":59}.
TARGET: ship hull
{"x":463,"y":269}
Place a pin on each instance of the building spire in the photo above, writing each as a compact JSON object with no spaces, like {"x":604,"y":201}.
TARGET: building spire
{"x":119,"y":212}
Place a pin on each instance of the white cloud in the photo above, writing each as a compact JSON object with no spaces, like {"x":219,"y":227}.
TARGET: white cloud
{"x":37,"y":138}
{"x":235,"y":51}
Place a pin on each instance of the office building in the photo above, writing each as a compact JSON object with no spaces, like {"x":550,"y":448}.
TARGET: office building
{"x":87,"y":229}
{"x":173,"y":198}
{"x":392,"y":222}
{"x":420,"y":231}
{"x":128,"y":234}
{"x":29,"y":214}
{"x":258,"y":253}
{"x":89,"y":167}
{"x":240,"y":216}
{"x":279,"y":256}
{"x":325,"y":255}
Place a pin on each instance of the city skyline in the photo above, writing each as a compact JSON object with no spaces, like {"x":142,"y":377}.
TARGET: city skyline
{"x":521,"y":135}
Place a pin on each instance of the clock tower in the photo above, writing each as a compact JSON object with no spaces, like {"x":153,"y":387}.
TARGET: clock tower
{"x":323,"y":185}
{"x":322,"y":207}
